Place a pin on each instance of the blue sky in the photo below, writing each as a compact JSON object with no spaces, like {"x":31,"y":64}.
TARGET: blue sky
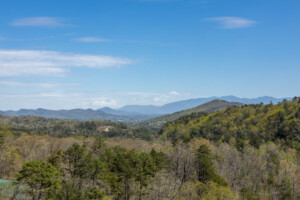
{"x":63,"y":54}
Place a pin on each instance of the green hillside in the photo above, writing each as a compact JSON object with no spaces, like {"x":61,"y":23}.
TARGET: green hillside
{"x":253,"y":124}
{"x":235,"y":160}
{"x":209,"y":107}
{"x":77,"y":114}
{"x":67,"y":127}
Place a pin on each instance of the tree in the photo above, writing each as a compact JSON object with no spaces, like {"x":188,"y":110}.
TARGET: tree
{"x":94,"y":194}
{"x":1,"y":138}
{"x":285,"y":189}
{"x":4,"y":133}
{"x":78,"y":161}
{"x":99,"y":146}
{"x":68,"y":192}
{"x":55,"y":158}
{"x":246,"y":194}
{"x":240,"y":140}
{"x":205,"y":167}
{"x":182,"y":163}
{"x":41,"y":178}
{"x":213,"y":191}
{"x":158,"y":159}
{"x":98,"y":172}
{"x":209,"y":191}
{"x":145,"y":169}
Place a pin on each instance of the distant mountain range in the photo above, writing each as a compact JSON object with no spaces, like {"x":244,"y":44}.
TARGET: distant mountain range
{"x":134,"y":112}
{"x":190,"y":103}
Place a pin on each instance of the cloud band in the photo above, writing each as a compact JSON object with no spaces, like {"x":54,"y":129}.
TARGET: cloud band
{"x":29,"y":62}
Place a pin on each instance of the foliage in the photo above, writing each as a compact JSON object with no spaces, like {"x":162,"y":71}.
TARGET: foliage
{"x":94,"y":194}
{"x":249,"y":124}
{"x":209,"y":107}
{"x":209,"y":191}
{"x":9,"y":155}
{"x":269,"y":172}
{"x":55,"y":158}
{"x":81,"y":174}
{"x":66,"y":127}
{"x":40,"y":177}
{"x":249,"y":153}
{"x":285,"y":189}
{"x":1,"y":138}
{"x":4,"y":132}
{"x":246,"y":194}
{"x":205,"y":167}
{"x":77,"y":161}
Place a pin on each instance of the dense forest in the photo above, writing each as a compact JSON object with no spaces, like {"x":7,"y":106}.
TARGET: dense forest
{"x":249,"y":124}
{"x":209,"y":107}
{"x":34,"y":125}
{"x":247,"y":152}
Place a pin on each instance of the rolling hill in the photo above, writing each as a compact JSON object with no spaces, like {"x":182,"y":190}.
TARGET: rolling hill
{"x":78,"y":114}
{"x":209,"y":107}
{"x":249,"y":124}
{"x":35,"y":125}
{"x":191,"y":103}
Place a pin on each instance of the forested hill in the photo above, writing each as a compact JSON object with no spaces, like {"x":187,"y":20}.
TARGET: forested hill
{"x":235,"y":163}
{"x":34,"y":125}
{"x":191,"y":103}
{"x":209,"y":107}
{"x":78,"y":114}
{"x":249,"y":124}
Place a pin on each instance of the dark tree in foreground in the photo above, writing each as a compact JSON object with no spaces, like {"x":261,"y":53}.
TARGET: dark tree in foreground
{"x":205,"y":167}
{"x":39,"y":178}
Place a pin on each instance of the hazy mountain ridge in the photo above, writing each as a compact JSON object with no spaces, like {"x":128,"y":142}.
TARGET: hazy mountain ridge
{"x":135,"y":115}
{"x":134,"y":112}
{"x":190,"y":103}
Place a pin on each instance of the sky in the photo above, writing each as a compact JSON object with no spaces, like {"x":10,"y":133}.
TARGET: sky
{"x":64,"y":54}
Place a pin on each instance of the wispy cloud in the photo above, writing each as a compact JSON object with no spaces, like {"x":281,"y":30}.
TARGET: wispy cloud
{"x":39,"y":22}
{"x":91,"y":39}
{"x":44,"y":85}
{"x":174,"y":93}
{"x":96,"y":99}
{"x":232,"y":22}
{"x":30,"y":62}
{"x":162,"y":98}
{"x":101,"y":102}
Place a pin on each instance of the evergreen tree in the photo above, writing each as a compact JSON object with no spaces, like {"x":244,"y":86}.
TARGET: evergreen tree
{"x":205,"y":167}
{"x":40,"y":179}
{"x":99,"y":146}
{"x":78,"y":161}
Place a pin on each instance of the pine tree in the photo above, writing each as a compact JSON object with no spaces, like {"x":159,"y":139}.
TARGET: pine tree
{"x":205,"y":167}
{"x":39,"y":178}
